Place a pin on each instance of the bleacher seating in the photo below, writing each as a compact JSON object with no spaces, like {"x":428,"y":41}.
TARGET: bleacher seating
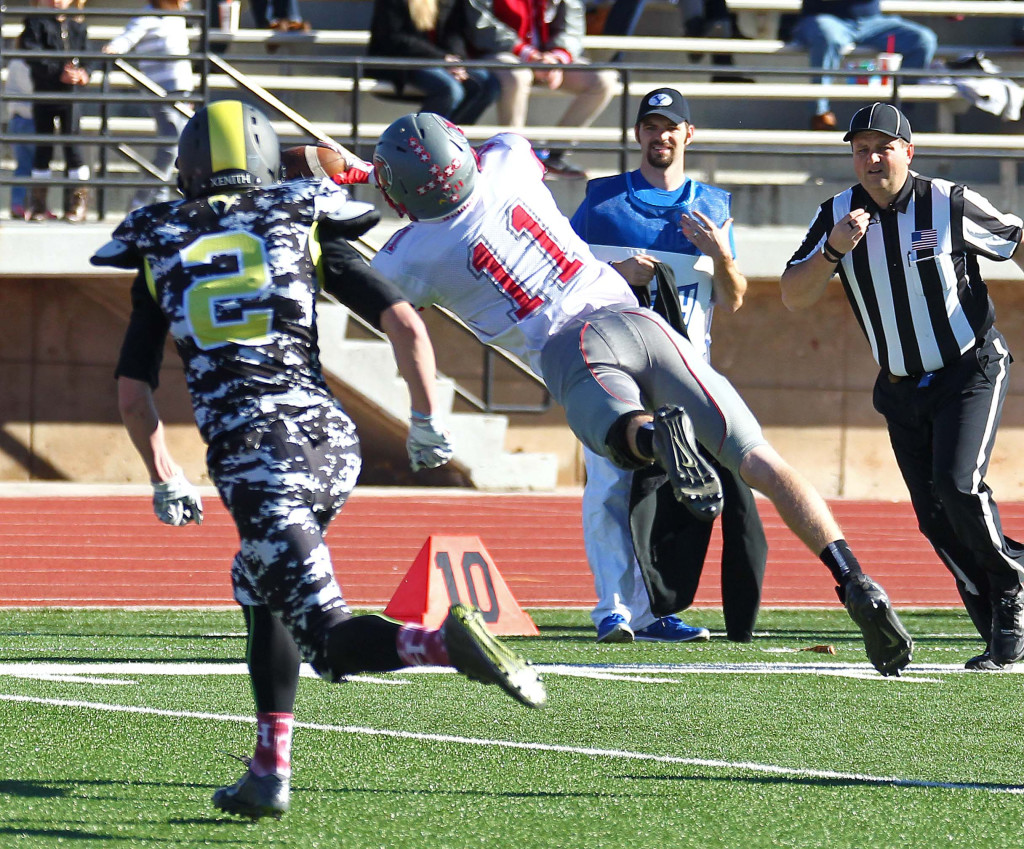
{"x":758,"y":126}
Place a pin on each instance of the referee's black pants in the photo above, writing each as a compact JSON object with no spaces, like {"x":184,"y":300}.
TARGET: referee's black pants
{"x":942,"y":426}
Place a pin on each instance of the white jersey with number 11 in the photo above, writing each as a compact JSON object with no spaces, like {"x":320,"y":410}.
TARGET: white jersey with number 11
{"x":509,"y":264}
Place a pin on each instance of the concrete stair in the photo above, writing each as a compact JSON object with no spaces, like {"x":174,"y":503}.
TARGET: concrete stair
{"x":367,"y":366}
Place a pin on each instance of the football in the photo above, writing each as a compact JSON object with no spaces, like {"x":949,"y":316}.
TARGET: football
{"x":312,"y":160}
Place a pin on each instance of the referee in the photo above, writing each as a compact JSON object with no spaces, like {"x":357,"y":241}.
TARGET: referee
{"x":906,"y":248}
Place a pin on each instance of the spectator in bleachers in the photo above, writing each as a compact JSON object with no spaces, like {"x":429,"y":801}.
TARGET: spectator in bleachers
{"x":830,"y":28}
{"x":711,"y":19}
{"x":432,"y":29}
{"x":60,"y":69}
{"x":19,"y":122}
{"x":280,"y":15}
{"x":541,"y":42}
{"x":165,"y":35}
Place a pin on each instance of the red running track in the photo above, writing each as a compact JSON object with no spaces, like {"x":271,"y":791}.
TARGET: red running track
{"x":111,"y":550}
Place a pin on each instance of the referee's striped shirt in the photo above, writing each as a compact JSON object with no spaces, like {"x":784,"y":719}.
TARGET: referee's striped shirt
{"x":913,"y":280}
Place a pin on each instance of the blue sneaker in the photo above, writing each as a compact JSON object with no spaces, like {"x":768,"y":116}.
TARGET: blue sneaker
{"x":614,"y":629}
{"x":672,"y":629}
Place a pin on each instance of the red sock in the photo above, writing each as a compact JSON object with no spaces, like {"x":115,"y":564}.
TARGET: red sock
{"x":273,"y":744}
{"x":418,"y":646}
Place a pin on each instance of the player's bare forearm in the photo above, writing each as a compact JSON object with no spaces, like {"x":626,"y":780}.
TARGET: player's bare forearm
{"x":145,"y":429}
{"x":413,"y":353}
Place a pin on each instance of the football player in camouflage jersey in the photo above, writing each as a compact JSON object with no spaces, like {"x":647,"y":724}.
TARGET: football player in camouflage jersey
{"x":231,"y":272}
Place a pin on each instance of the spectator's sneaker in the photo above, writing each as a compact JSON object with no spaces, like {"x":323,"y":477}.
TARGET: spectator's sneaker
{"x":18,"y":213}
{"x":887,"y":642}
{"x":984,"y":663}
{"x":694,"y":482}
{"x":614,"y":629}
{"x":826,"y":121}
{"x":1007,"y":644}
{"x":672,"y":629}
{"x":479,"y":656}
{"x":558,"y":165}
{"x":255,"y":796}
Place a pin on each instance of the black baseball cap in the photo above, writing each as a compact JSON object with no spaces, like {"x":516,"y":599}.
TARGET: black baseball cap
{"x":882,"y":118}
{"x":664,"y":101}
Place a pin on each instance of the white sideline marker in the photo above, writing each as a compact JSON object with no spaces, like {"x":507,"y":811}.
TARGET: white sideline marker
{"x":743,"y":766}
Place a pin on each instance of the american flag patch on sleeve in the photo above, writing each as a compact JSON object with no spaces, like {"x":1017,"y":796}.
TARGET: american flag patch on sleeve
{"x":922,"y":240}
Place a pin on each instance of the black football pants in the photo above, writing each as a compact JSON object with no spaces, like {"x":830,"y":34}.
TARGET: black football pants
{"x":942,"y":426}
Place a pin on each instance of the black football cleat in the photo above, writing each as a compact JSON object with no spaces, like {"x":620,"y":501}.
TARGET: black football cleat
{"x":889,"y":646}
{"x":255,"y":796}
{"x":694,"y":481}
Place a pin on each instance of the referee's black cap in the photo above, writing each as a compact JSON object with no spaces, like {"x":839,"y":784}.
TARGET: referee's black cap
{"x":882,"y":118}
{"x":664,"y":101}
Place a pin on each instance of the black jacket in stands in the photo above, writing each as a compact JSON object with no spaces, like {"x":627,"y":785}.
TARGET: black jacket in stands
{"x":65,"y":37}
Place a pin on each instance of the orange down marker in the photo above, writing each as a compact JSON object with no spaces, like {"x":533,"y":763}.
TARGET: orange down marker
{"x":452,"y":569}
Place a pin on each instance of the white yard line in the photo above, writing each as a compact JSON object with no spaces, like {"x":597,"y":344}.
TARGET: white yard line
{"x":655,"y":673}
{"x":615,"y":754}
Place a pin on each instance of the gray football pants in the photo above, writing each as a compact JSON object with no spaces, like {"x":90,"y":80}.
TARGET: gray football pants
{"x":620,"y":360}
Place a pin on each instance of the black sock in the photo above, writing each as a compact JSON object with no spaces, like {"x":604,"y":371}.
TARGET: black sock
{"x":841,"y":562}
{"x":645,"y":440}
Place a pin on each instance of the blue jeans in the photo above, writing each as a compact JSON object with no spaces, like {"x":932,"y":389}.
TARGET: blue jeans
{"x":280,"y":10}
{"x":459,"y":102}
{"x":169,"y":124}
{"x":826,"y":37}
{"x":23,"y":155}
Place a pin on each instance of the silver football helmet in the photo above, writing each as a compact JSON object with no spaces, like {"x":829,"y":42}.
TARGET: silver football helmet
{"x":227,"y":146}
{"x":425,"y":166}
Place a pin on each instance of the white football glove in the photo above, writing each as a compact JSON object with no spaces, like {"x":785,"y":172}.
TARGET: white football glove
{"x":428,"y":446}
{"x":177,"y":502}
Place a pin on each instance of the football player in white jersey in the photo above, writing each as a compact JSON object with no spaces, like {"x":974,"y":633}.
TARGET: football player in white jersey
{"x":488,"y":242}
{"x":231,"y":273}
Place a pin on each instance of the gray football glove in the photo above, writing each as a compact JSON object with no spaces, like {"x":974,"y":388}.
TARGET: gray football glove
{"x":428,"y":446}
{"x":177,"y":502}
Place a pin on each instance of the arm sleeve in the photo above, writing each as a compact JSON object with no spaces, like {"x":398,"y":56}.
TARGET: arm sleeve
{"x":132,"y":35}
{"x":346,"y":275}
{"x":820,"y":227}
{"x":485,"y":33}
{"x":566,"y":30}
{"x":142,"y":350}
{"x":987,"y":231}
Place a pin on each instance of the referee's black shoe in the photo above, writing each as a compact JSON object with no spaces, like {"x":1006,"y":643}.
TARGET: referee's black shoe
{"x":694,"y":481}
{"x":1007,"y":644}
{"x":983,"y":663}
{"x":887,"y":642}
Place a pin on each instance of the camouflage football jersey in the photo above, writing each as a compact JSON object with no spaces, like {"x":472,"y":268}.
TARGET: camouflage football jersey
{"x":235,"y":277}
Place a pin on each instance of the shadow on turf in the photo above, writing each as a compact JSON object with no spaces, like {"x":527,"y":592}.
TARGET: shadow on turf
{"x":30,"y":789}
{"x":56,"y":834}
{"x":830,"y":782}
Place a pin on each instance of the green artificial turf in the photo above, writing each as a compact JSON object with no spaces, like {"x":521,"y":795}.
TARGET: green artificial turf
{"x":703,"y":745}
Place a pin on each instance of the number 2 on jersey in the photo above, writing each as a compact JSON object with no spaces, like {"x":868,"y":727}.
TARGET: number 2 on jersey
{"x":228,"y":269}
{"x":523,"y":223}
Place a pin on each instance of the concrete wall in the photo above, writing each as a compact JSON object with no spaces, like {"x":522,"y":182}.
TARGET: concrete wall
{"x":807,"y":376}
